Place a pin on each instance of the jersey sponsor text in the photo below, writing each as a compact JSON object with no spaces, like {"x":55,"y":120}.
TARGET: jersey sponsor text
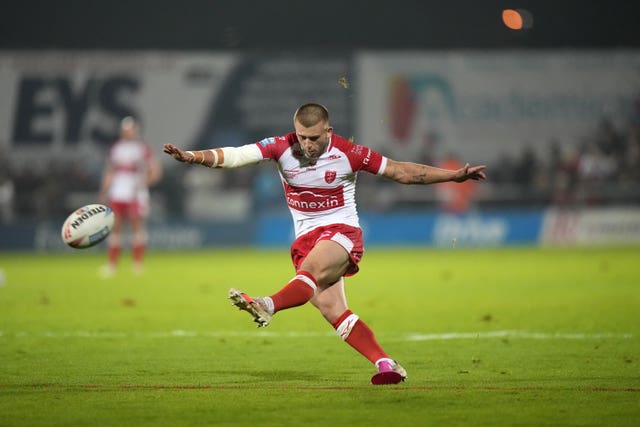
{"x":314,"y":199}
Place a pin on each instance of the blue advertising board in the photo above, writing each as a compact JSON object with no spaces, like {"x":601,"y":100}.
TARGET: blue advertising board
{"x":434,"y":229}
{"x":409,"y":228}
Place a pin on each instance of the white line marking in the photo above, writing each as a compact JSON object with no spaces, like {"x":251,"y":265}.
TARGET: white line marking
{"x":515,"y":334}
{"x":414,"y":336}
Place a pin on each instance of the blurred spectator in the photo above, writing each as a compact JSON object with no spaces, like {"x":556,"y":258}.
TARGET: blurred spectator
{"x":7,"y":189}
{"x":607,"y":139}
{"x":504,"y":169}
{"x":594,"y":168}
{"x":526,"y":169}
{"x":564,"y":184}
{"x":455,"y":198}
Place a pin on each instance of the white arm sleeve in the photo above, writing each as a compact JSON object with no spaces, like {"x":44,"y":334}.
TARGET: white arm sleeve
{"x":235,"y":157}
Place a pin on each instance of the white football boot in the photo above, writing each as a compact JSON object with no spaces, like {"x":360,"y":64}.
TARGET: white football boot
{"x":244,"y":302}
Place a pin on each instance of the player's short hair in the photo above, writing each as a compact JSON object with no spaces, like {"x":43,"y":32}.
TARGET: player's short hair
{"x":311,"y":114}
{"x":128,"y":122}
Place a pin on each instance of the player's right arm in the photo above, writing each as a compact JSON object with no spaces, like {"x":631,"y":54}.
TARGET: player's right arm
{"x":415,"y":173}
{"x":227,"y":157}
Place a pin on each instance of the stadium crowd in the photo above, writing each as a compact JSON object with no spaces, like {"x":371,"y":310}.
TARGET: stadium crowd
{"x":602,"y":169}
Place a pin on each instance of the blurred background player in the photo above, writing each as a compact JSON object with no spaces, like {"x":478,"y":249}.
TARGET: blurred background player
{"x":318,"y":171}
{"x":130,"y":170}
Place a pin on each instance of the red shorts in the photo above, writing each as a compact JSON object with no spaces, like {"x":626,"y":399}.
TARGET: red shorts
{"x":129,"y":210}
{"x":350,"y":238}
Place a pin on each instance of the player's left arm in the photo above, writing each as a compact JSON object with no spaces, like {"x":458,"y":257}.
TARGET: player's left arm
{"x":415,"y":173}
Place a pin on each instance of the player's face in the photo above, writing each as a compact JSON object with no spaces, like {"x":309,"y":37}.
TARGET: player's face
{"x":313,"y":140}
{"x":129,"y":132}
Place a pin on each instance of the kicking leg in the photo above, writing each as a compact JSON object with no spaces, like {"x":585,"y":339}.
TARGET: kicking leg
{"x":297,"y":292}
{"x":324,"y":265}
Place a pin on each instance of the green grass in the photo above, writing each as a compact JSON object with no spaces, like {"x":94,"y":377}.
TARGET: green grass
{"x":553,"y":338}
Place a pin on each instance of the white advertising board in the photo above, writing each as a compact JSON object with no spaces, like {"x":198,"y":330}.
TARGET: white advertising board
{"x":480,"y":104}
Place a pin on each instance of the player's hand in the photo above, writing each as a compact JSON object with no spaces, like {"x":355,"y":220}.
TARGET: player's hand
{"x":470,"y":172}
{"x":177,"y":153}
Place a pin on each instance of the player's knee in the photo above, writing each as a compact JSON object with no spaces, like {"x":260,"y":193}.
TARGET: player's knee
{"x":325,"y":275}
{"x":329,"y":309}
{"x":330,"y":305}
{"x":320,"y":304}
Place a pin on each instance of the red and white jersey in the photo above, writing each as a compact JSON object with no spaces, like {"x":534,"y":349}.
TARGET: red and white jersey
{"x":321,"y":192}
{"x":129,"y":160}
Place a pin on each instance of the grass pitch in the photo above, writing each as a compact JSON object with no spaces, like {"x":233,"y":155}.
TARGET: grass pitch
{"x":488,"y":337}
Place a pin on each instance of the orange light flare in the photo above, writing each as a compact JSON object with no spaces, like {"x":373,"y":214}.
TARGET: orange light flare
{"x":517,"y":19}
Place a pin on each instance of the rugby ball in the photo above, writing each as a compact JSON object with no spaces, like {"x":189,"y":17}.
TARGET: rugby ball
{"x":88,"y":226}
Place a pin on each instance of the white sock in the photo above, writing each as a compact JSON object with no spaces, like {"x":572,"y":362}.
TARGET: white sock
{"x":267,"y":302}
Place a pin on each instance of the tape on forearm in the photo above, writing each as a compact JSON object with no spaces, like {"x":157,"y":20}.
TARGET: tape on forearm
{"x":215,"y":158}
{"x":200,"y":157}
{"x":235,"y":157}
{"x":195,"y":156}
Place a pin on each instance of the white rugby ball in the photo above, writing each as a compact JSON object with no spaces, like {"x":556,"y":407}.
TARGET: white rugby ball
{"x":88,"y":226}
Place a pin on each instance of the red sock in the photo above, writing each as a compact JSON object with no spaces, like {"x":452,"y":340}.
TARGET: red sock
{"x":113,"y":254}
{"x":298,"y":291}
{"x":138,"y":252}
{"x":358,"y":335}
